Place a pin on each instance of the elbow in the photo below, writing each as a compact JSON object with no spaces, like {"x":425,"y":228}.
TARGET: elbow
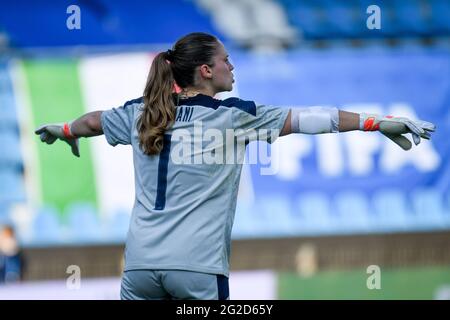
{"x":93,"y":122}
{"x":287,"y":126}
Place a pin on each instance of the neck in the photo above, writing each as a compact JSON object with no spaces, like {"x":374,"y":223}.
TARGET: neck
{"x":192,"y":92}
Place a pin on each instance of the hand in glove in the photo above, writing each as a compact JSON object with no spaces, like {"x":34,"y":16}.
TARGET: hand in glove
{"x":395,"y":127}
{"x":50,"y":132}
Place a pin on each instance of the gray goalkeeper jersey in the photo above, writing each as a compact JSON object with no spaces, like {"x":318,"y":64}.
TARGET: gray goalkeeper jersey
{"x":186,"y":195}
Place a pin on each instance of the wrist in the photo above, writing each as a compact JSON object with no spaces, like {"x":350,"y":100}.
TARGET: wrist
{"x":67,"y":131}
{"x":369,"y":122}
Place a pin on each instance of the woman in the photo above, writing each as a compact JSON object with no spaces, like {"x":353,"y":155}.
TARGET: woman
{"x":178,"y":243}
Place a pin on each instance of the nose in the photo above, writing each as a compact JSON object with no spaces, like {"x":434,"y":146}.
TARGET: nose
{"x":231,"y":67}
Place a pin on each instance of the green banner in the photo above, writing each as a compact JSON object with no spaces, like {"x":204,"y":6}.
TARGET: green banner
{"x":55,"y":96}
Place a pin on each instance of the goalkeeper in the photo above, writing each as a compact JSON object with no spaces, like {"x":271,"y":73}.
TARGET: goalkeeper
{"x":178,"y":242}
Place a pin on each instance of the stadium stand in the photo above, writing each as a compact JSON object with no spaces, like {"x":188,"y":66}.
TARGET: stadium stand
{"x":47,"y":227}
{"x":335,"y":72}
{"x":391,"y":209}
{"x":353,"y":199}
{"x":11,"y":162}
{"x":346,"y":19}
{"x":111,"y":23}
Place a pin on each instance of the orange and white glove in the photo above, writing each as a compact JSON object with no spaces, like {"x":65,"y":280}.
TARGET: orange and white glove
{"x":50,"y":132}
{"x":395,"y":127}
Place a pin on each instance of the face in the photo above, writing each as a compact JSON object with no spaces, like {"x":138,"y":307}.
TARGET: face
{"x":222,"y":76}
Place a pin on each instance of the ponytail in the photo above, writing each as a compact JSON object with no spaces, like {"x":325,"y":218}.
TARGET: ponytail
{"x":176,"y":66}
{"x":159,"y":107}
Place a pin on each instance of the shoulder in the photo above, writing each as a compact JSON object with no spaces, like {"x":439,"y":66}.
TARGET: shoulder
{"x":242,"y":105}
{"x":133,"y":103}
{"x":231,"y":103}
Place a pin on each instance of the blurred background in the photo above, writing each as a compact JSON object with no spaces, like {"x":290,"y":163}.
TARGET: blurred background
{"x":347,"y":216}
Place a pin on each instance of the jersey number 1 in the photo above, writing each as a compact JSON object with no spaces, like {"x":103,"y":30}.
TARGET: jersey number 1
{"x":160,"y":202}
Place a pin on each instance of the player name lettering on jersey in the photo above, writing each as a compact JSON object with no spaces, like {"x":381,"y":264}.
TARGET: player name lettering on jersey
{"x":184,"y":114}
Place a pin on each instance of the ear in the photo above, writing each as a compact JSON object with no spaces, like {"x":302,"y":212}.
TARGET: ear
{"x":206,"y":71}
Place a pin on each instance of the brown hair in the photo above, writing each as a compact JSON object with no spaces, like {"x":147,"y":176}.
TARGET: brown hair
{"x":173,"y":66}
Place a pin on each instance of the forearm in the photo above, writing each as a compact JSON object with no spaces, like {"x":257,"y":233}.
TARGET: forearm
{"x":316,"y":120}
{"x":88,"y":125}
{"x":348,"y":121}
{"x":344,"y":121}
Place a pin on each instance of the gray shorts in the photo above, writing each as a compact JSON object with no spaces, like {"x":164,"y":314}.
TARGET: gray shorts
{"x":173,"y":284}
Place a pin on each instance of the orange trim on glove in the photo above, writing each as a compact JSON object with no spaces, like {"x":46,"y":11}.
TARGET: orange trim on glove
{"x":66,"y":131}
{"x":369,"y":124}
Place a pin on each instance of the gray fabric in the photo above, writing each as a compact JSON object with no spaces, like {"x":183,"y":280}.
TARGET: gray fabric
{"x":168,"y":284}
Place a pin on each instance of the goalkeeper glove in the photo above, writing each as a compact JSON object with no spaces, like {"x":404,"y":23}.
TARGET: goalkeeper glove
{"x":395,"y":127}
{"x":50,"y":132}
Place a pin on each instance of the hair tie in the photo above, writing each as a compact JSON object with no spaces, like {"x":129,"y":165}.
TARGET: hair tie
{"x":169,"y":55}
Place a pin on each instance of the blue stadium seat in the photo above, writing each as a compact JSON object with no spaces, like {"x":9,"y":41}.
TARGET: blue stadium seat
{"x":11,"y":186}
{"x":440,"y":12}
{"x":117,"y":226}
{"x":246,"y":222}
{"x":5,"y":213}
{"x":343,"y":18}
{"x":8,"y":119}
{"x":447,"y":210}
{"x":11,"y":155}
{"x":410,"y":18}
{"x":46,"y":226}
{"x":307,"y":17}
{"x":392,"y":211}
{"x":353,"y":211}
{"x":8,"y":113}
{"x":274,"y":213}
{"x":314,"y":214}
{"x":389,"y":24}
{"x":83,"y":222}
{"x":428,"y":205}
{"x":330,"y":19}
{"x":335,"y":19}
{"x":112,"y":22}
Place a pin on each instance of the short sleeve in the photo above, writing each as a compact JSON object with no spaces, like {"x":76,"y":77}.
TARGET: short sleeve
{"x":262,"y":119}
{"x":117,"y":123}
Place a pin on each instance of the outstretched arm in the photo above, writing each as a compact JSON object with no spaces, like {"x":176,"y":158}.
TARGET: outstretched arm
{"x":88,"y":125}
{"x":348,"y":121}
{"x":317,"y":120}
